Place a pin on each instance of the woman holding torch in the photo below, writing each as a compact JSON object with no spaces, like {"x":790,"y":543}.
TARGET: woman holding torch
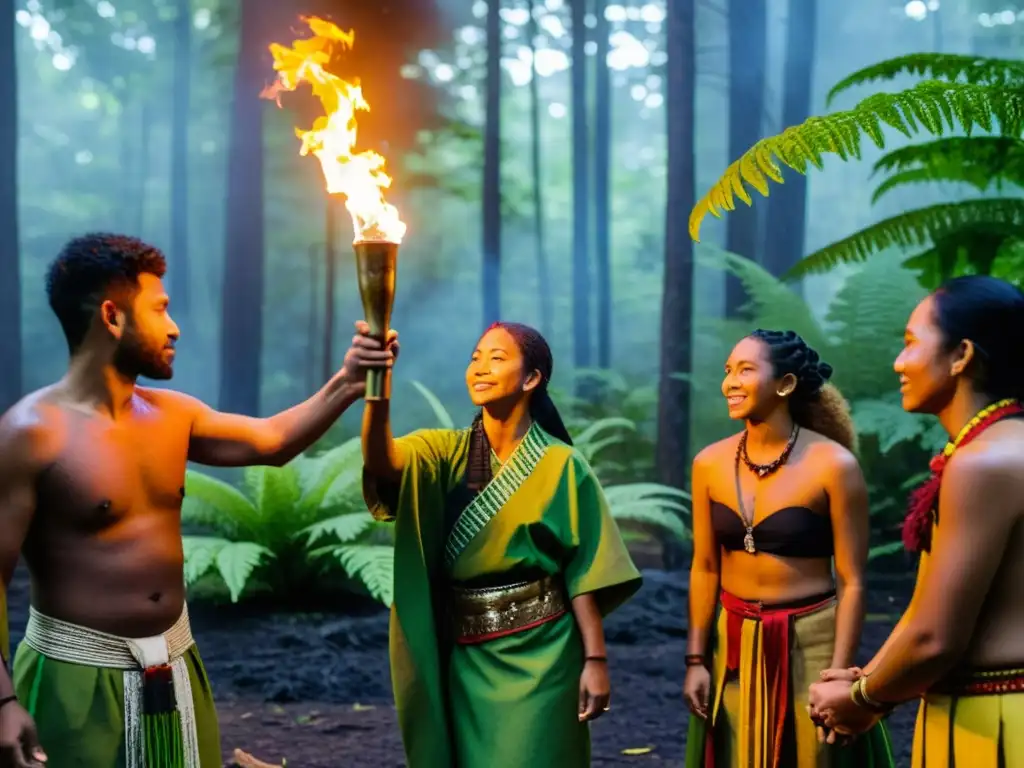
{"x":506,"y":561}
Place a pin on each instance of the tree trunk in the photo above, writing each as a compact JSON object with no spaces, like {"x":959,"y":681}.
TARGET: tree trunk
{"x":10,"y":247}
{"x":787,"y":206}
{"x":543,"y":274}
{"x":180,"y":274}
{"x":242,"y":303}
{"x":580,"y":192}
{"x":673,"y":448}
{"x":748,"y":39}
{"x":492,"y":170}
{"x":602,"y":189}
{"x":145,"y":128}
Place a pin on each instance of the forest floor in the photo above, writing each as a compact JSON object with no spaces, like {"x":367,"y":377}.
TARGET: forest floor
{"x":314,"y":690}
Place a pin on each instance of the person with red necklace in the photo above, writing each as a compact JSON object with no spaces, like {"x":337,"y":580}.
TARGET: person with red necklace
{"x":959,"y":646}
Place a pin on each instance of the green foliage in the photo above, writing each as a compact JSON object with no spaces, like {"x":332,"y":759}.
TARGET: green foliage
{"x":951,"y":67}
{"x":932,"y":106}
{"x":980,"y":161}
{"x":935,"y":224}
{"x":261,"y":540}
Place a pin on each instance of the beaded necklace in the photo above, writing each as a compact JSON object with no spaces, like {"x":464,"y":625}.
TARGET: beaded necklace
{"x":917,"y":526}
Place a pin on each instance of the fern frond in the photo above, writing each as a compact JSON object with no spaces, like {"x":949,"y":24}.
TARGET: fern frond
{"x":971,"y":249}
{"x":372,"y":565}
{"x":914,"y":228}
{"x":444,"y":418}
{"x":887,"y":420}
{"x":317,"y":474}
{"x":200,"y":555}
{"x":235,"y":563}
{"x":980,"y":161}
{"x":884,"y":550}
{"x":213,"y":503}
{"x":773,"y":304}
{"x":931,"y":106}
{"x":651,"y":503}
{"x":345,"y":528}
{"x":952,"y":67}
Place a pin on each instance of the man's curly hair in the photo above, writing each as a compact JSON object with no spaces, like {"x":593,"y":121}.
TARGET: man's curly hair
{"x":93,"y":268}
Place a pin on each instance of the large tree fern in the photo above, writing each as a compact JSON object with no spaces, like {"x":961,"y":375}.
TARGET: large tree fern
{"x":933,"y":107}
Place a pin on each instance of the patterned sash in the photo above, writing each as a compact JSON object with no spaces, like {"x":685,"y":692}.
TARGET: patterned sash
{"x":490,"y":500}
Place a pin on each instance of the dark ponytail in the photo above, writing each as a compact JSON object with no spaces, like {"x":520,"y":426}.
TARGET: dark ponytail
{"x":536,"y":357}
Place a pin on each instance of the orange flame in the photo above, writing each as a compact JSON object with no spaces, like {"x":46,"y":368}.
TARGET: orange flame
{"x":358,"y":176}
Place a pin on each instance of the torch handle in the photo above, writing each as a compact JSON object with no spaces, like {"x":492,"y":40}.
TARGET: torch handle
{"x":376,"y":384}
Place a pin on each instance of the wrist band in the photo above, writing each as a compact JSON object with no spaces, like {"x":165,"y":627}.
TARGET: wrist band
{"x":862,"y":700}
{"x":695,"y":660}
{"x":602,"y":659}
{"x":7,"y":700}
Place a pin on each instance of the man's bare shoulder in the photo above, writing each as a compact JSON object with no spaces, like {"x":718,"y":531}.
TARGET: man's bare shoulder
{"x":33,"y":430}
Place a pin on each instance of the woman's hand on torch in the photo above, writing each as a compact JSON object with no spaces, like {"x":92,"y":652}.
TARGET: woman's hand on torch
{"x":368,"y":352}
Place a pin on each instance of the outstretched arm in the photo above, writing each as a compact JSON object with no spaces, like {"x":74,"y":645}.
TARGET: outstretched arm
{"x":977,"y":513}
{"x":233,"y":440}
{"x":848,"y":504}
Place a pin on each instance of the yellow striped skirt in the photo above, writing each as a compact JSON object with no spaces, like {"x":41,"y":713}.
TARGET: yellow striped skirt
{"x":976,"y":723}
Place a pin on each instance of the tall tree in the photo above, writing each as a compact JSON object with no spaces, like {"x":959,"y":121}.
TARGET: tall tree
{"x":602,"y":188}
{"x":674,"y":393}
{"x":491,"y":201}
{"x":180,"y":274}
{"x":242,"y":290}
{"x":787,"y":206}
{"x":580,"y":191}
{"x":10,"y":251}
{"x":536,"y":167}
{"x":748,"y":42}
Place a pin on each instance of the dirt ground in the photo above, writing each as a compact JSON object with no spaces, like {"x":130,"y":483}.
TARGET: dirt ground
{"x":313,"y":691}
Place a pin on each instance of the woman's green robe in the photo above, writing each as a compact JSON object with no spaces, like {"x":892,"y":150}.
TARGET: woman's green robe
{"x":511,"y":701}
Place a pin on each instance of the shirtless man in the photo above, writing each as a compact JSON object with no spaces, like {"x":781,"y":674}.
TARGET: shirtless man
{"x":960,"y":644}
{"x":92,"y":474}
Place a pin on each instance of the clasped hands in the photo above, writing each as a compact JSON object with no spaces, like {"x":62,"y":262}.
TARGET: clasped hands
{"x":833,"y":710}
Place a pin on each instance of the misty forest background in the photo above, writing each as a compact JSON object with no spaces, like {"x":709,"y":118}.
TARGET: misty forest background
{"x":546,"y":155}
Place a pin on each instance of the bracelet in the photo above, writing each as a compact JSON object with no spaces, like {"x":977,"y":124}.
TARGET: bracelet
{"x":7,"y":700}
{"x":695,"y":660}
{"x":602,"y":659}
{"x":862,"y":700}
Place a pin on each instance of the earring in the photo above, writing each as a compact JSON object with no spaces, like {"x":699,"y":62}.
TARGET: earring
{"x":782,"y":394}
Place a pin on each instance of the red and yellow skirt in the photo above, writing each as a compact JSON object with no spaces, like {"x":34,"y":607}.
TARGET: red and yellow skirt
{"x":765,"y":659}
{"x":975,"y":719}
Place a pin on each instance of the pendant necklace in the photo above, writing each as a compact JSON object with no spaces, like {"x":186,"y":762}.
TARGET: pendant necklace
{"x":761,"y":471}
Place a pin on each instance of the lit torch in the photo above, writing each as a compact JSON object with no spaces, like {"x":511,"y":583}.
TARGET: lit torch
{"x":358,"y":176}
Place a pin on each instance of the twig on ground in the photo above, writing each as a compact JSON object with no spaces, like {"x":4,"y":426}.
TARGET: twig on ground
{"x":245,"y":760}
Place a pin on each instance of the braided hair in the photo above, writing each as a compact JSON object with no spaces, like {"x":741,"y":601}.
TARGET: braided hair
{"x":536,"y":357}
{"x":815,"y":403}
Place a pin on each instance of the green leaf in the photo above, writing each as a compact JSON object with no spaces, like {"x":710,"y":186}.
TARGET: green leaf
{"x":372,"y":565}
{"x":341,"y":464}
{"x":444,"y":419}
{"x":933,"y":107}
{"x":236,"y":561}
{"x":883,"y":550}
{"x":892,"y":425}
{"x":654,"y":504}
{"x":937,"y":66}
{"x":345,"y":528}
{"x":915,"y":228}
{"x":274,"y":489}
{"x":200,"y":555}
{"x":214,"y":503}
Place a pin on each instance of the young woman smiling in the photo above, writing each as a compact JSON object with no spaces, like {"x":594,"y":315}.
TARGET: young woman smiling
{"x":773,"y":507}
{"x":506,"y":561}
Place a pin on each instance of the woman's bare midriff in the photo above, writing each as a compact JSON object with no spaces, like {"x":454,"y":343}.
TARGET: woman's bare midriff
{"x":772,"y":580}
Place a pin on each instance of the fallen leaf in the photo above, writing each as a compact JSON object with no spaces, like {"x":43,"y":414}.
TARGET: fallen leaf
{"x":638,"y":751}
{"x":245,"y":716}
{"x":245,"y":760}
{"x":362,"y":707}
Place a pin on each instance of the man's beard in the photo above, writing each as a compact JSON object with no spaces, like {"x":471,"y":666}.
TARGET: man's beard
{"x":134,"y":358}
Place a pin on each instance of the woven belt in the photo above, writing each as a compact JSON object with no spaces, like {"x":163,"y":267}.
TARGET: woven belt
{"x":982,"y":682}
{"x":479,"y":615}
